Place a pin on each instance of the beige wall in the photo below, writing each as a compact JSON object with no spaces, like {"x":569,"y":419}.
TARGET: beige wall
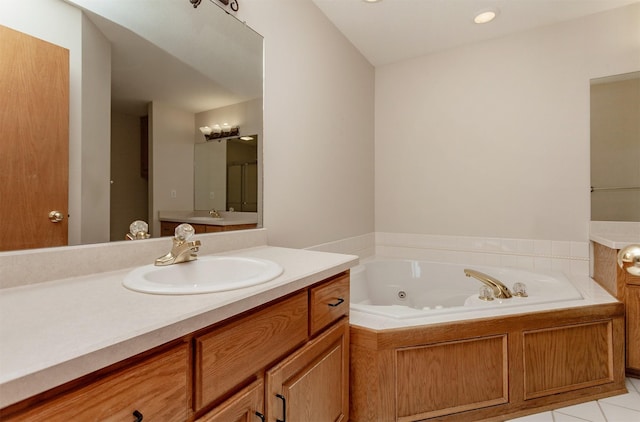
{"x":492,"y":139}
{"x":615,"y":149}
{"x":318,"y":126}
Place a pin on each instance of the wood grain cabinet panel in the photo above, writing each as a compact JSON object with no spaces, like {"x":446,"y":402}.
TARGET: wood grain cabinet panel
{"x":451,"y":377}
{"x":329,"y":302}
{"x":624,"y":287}
{"x":633,"y":326}
{"x":156,"y":387}
{"x":550,"y":357}
{"x":233,"y":353}
{"x":313,"y":383}
{"x":245,"y":406}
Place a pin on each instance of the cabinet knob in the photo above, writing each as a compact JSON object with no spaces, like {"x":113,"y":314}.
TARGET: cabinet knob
{"x":138,"y":416}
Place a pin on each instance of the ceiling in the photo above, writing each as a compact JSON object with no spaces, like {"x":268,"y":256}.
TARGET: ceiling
{"x":389,"y":31}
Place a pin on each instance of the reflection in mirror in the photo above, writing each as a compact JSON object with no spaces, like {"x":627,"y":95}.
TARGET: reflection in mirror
{"x":226,"y":175}
{"x":615,"y":148}
{"x":167,"y":66}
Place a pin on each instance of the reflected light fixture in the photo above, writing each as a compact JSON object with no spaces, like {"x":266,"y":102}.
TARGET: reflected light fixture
{"x":485,"y":16}
{"x":219,"y":131}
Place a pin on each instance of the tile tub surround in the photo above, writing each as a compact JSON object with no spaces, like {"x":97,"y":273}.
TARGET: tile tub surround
{"x":569,"y":257}
{"x":63,"y":329}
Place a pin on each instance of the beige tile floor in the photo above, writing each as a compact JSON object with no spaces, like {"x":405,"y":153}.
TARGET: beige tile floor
{"x":622,"y":408}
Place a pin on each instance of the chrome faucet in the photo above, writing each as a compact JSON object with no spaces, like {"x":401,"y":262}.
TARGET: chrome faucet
{"x":499,"y":289}
{"x":183,"y":249}
{"x":214,"y":213}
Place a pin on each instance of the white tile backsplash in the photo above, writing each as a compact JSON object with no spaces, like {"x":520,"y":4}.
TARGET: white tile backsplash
{"x":530,"y":254}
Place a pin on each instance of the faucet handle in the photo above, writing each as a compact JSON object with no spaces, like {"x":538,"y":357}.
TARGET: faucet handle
{"x":184,"y":232}
{"x":138,"y":230}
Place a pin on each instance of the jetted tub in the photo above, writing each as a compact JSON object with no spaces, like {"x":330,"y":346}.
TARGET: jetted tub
{"x":423,"y":346}
{"x":412,"y":289}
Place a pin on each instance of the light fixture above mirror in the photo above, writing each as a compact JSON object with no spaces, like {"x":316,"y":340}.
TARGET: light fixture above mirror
{"x":219,"y":132}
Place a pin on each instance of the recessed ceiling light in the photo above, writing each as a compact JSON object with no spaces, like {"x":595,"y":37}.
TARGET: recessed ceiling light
{"x":371,"y":1}
{"x":485,"y":16}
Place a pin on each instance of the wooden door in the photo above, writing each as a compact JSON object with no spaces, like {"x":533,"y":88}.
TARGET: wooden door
{"x":313,"y":383}
{"x":34,"y":141}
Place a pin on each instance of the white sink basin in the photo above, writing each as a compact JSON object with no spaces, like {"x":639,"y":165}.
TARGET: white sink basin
{"x":204,"y":275}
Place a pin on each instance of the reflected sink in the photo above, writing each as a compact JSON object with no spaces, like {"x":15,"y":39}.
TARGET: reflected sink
{"x":204,"y":275}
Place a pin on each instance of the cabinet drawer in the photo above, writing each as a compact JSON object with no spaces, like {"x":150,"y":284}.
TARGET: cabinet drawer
{"x":329,"y":302}
{"x":234,"y":352}
{"x":156,"y":388}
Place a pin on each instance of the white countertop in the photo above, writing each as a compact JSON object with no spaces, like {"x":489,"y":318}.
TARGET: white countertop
{"x":615,"y":234}
{"x":203,"y":217}
{"x":57,"y":331}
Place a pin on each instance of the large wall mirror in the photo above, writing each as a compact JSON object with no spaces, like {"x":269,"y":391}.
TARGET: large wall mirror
{"x":615,"y":148}
{"x":145,"y":75}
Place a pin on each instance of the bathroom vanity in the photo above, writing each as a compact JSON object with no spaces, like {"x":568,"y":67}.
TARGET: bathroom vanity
{"x":281,"y":347}
{"x":203,"y":222}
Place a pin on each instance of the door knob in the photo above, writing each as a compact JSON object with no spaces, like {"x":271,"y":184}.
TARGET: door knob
{"x":55,"y":216}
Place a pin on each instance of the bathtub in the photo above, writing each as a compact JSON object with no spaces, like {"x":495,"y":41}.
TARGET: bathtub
{"x":403,"y":289}
{"x":423,"y":346}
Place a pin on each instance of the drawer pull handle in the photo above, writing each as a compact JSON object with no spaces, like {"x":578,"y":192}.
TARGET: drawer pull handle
{"x":138,"y":416}
{"x":260,"y":415}
{"x":338,"y":303}
{"x":284,"y":408}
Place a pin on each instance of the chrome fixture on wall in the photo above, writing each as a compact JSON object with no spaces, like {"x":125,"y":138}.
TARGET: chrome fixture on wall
{"x":219,"y":131}
{"x":629,"y":259}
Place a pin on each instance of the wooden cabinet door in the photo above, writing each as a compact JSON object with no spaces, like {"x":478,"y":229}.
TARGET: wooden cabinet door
{"x":34,"y":141}
{"x":313,"y":383}
{"x":245,"y":406}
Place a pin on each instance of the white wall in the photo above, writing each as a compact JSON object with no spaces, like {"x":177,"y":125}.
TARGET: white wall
{"x":492,"y":139}
{"x":96,"y":136}
{"x":318,"y":126}
{"x":170,"y":161}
